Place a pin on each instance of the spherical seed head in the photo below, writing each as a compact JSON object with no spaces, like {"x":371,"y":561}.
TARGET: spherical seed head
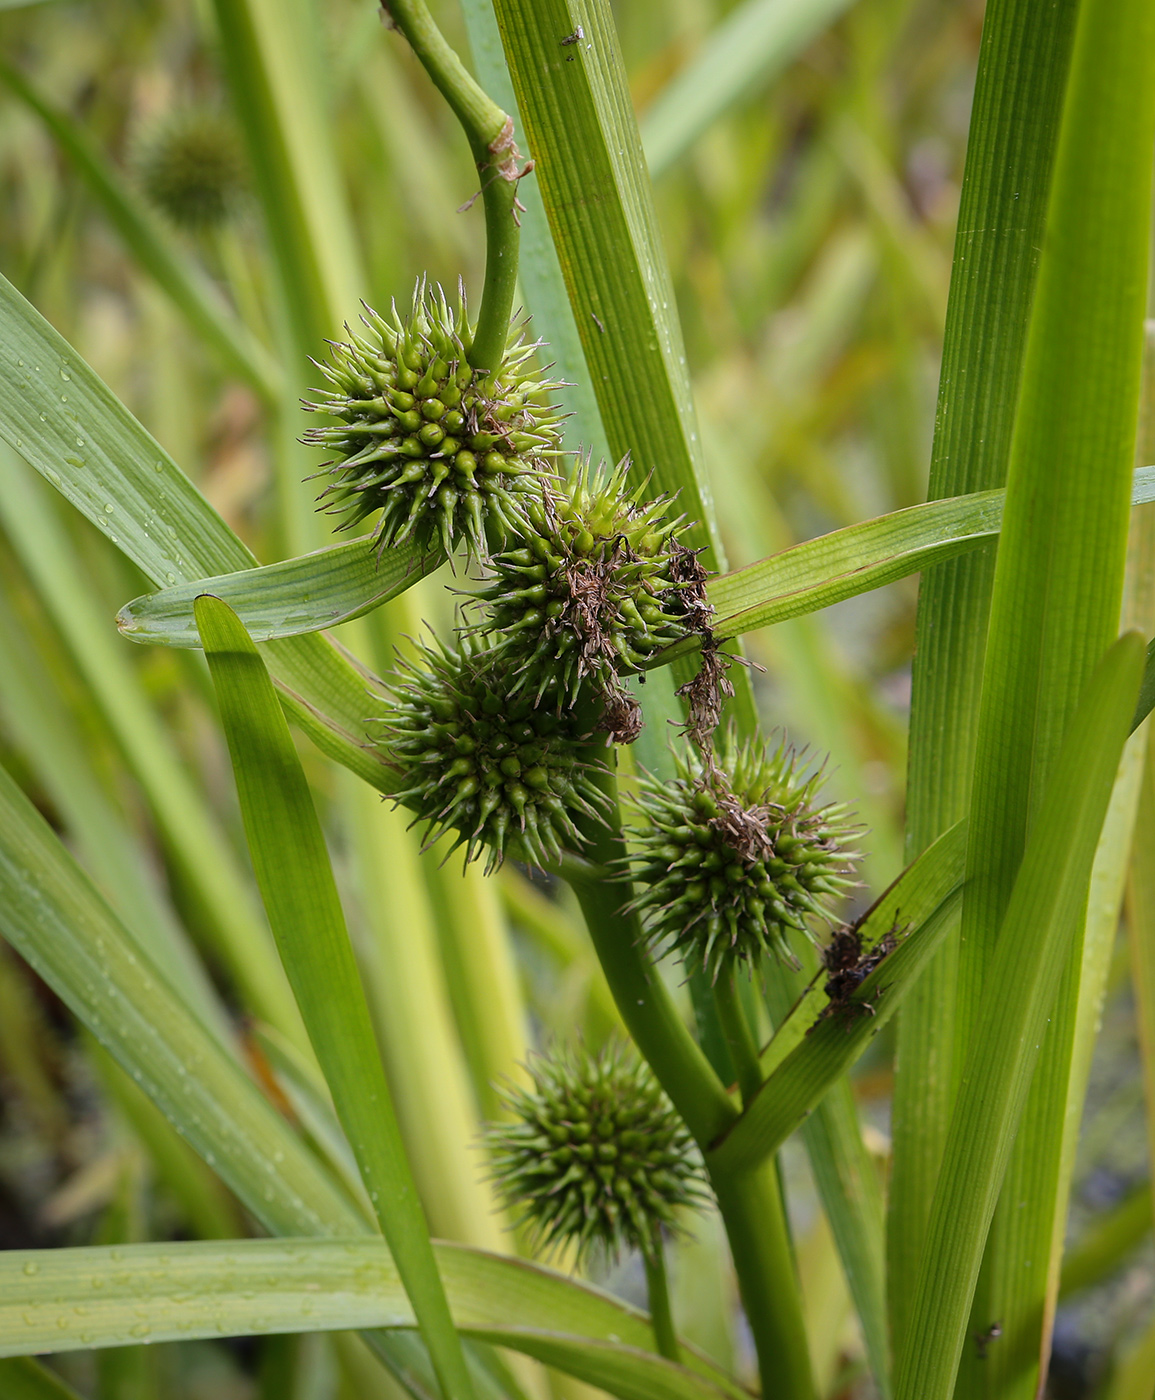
{"x":192,"y":168}
{"x":504,"y":775}
{"x":733,"y":855}
{"x":595,"y":1155}
{"x":442,"y":452}
{"x":591,"y":591}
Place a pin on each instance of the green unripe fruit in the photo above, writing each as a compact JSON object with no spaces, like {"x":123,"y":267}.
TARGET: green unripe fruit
{"x":476,"y":762}
{"x":589,"y":594}
{"x":732,"y":858}
{"x":405,"y":395}
{"x":595,"y":1157}
{"x":192,"y":168}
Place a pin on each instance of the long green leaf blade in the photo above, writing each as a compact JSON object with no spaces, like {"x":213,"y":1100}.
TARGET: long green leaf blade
{"x":575,"y":102}
{"x":1056,"y":605}
{"x":166,"y":1292}
{"x":299,"y":595}
{"x":53,"y":916}
{"x":1019,"y":992}
{"x":300,"y":895}
{"x":61,"y":417}
{"x":207,"y":861}
{"x":315,"y":591}
{"x":858,"y":558}
{"x":1013,"y":132}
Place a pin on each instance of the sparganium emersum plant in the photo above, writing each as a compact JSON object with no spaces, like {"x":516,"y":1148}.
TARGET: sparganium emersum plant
{"x":578,"y":732}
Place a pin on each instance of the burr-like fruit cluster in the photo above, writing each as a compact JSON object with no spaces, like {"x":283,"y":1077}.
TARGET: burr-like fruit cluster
{"x":595,"y":1155}
{"x":445,"y":454}
{"x":733,"y":855}
{"x":591,"y":591}
{"x":503,"y":774}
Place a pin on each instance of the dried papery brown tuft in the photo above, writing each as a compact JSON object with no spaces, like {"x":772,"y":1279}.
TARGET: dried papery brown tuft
{"x":849,"y":961}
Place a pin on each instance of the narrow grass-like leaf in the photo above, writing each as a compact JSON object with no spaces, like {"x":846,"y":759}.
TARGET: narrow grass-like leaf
{"x":583,"y":135}
{"x":155,"y":249}
{"x":1014,"y":127}
{"x":315,"y":591}
{"x":1023,"y":981}
{"x":231,"y":916}
{"x":55,"y":919}
{"x":918,"y":893}
{"x":750,"y":47}
{"x":21,"y":1378}
{"x":111,"y":1296}
{"x":69,"y":425}
{"x":1056,"y":605}
{"x":829,"y":1049}
{"x":300,"y":895}
{"x":304,"y":594}
{"x":38,"y":718}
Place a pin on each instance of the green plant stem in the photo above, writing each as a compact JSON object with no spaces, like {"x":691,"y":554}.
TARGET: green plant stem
{"x":658,"y":1291}
{"x":489,"y":132}
{"x":740,"y":1039}
{"x":755,"y":1220}
{"x":750,"y":1202}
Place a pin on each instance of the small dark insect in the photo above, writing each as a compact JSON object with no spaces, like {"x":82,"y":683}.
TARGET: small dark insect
{"x":575,"y":38}
{"x":848,"y":964}
{"x":984,"y":1339}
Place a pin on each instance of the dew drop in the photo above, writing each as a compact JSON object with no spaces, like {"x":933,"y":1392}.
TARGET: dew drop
{"x":170,"y":578}
{"x":65,"y":375}
{"x":80,"y":442}
{"x":108,"y":508}
{"x":44,"y":417}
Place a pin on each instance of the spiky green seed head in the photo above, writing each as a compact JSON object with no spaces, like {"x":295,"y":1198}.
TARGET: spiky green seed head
{"x":502,"y":774}
{"x":595,"y":1155}
{"x":733,"y":855}
{"x":592,"y":590}
{"x":442,"y":452}
{"x":192,"y":168}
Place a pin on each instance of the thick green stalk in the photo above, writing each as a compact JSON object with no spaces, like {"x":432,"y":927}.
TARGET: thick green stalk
{"x":1014,"y":128}
{"x":755,"y":1220}
{"x":490,"y":134}
{"x":750,"y":1202}
{"x":658,"y":1292}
